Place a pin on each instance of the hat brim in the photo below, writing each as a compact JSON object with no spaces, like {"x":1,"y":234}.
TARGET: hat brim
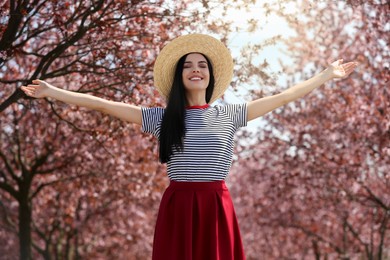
{"x":219,"y":56}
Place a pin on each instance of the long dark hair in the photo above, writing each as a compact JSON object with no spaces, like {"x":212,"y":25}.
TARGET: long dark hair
{"x":173,"y":126}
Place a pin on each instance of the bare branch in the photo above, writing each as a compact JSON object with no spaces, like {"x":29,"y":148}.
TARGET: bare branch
{"x":356,"y":235}
{"x":8,"y":188}
{"x":383,"y":229}
{"x":376,"y":199}
{"x":14,"y":21}
{"x":8,"y":167}
{"x":317,"y":236}
{"x":61,"y":180}
{"x":10,"y":225}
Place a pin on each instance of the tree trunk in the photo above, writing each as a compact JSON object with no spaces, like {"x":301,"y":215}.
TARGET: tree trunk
{"x":24,"y":226}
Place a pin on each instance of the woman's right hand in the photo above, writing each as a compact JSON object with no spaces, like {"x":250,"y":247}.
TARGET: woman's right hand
{"x":38,"y":89}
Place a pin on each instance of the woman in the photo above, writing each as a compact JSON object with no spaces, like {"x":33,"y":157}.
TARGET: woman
{"x":196,"y":218}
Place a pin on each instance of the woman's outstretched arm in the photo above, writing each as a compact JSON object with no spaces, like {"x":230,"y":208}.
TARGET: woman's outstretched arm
{"x":264,"y":105}
{"x":126,"y":112}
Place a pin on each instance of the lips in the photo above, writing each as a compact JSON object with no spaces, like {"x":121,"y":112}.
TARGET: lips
{"x":195,"y":78}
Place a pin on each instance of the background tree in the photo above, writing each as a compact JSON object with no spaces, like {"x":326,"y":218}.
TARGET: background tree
{"x":315,"y":183}
{"x":79,"y":168}
{"x":75,"y":183}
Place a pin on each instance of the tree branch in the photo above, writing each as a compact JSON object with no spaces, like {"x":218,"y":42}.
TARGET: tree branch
{"x":383,"y":229}
{"x":8,"y":167}
{"x":8,"y":188}
{"x":56,"y":52}
{"x":15,"y":19}
{"x":356,"y":235}
{"x":376,"y":199}
{"x":313,"y":234}
{"x":68,"y":179}
{"x":10,"y":225}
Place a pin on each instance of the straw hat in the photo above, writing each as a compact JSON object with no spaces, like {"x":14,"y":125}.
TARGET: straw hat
{"x":219,"y":56}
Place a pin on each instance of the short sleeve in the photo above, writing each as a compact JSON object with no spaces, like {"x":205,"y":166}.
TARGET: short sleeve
{"x":237,"y":113}
{"x":151,"y":119}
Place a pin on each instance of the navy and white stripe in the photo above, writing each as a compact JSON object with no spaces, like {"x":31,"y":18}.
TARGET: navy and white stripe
{"x":208,"y":142}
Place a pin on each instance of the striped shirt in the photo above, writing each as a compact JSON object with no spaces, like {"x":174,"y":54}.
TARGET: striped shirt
{"x":208,"y":142}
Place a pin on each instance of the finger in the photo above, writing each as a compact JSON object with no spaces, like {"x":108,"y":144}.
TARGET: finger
{"x":26,"y":88}
{"x":347,"y":66}
{"x":29,"y":92}
{"x":349,"y":70}
{"x":37,"y":81}
{"x":350,"y":67}
{"x":352,"y":63}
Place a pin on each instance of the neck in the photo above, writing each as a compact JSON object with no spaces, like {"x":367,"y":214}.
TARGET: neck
{"x":196,"y":99}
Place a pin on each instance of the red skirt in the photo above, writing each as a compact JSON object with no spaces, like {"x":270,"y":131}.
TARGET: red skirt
{"x":196,"y":221}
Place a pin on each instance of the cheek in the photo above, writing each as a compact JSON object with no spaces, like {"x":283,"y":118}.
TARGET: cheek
{"x":207,"y":74}
{"x":184,"y":74}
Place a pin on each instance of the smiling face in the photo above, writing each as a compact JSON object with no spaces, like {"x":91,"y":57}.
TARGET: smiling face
{"x":196,"y":74}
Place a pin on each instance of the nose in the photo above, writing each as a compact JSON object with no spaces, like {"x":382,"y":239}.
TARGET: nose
{"x":196,"y":69}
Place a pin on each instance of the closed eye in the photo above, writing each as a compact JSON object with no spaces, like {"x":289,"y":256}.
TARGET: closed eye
{"x":201,"y":64}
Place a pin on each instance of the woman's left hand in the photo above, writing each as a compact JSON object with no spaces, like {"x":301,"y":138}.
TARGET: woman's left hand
{"x":339,"y":69}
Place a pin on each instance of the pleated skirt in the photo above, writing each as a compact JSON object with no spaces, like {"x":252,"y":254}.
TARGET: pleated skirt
{"x":197,"y":221}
